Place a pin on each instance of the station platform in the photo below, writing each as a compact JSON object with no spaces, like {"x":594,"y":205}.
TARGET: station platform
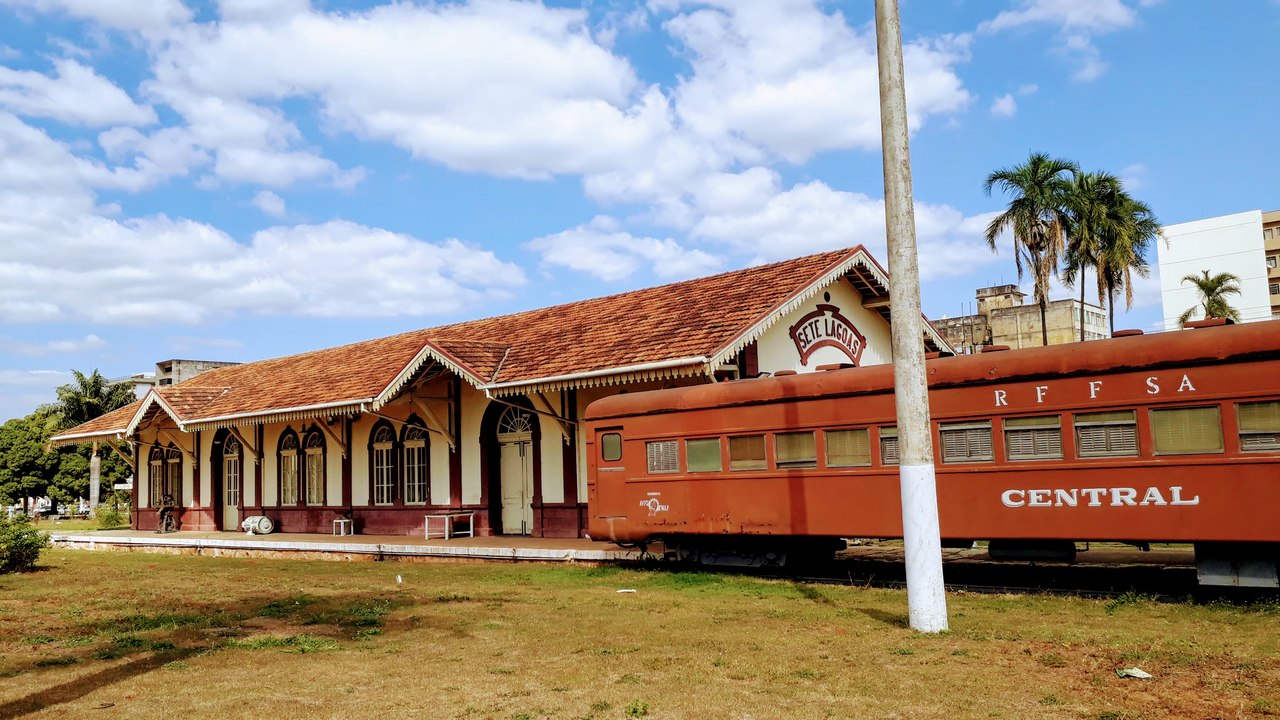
{"x":348,"y":547}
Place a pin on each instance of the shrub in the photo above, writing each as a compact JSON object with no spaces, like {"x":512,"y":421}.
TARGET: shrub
{"x":109,"y":516}
{"x":20,"y":544}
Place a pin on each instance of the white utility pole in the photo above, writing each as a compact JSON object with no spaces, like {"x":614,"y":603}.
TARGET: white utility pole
{"x":926,"y":600}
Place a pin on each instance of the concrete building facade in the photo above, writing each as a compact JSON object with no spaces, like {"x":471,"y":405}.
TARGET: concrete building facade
{"x":1004,"y":317}
{"x":1244,"y":244}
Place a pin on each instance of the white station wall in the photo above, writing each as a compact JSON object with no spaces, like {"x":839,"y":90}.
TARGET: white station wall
{"x":778,"y":351}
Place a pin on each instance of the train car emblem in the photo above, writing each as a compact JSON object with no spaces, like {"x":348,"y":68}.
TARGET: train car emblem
{"x":654,"y":504}
{"x":827,"y":327}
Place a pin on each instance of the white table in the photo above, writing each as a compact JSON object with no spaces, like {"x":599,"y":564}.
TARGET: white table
{"x":449,"y":525}
{"x":342,"y":526}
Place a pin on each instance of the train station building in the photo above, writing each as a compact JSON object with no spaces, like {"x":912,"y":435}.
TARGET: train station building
{"x":478,"y":419}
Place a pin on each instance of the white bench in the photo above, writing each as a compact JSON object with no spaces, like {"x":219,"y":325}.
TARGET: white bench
{"x":449,"y":525}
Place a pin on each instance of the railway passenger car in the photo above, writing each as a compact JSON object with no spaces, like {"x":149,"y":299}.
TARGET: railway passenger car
{"x":1172,"y":437}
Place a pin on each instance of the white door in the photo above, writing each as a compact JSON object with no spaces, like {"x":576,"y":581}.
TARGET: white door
{"x":517,"y":488}
{"x":231,"y":485}
{"x":515,"y":435}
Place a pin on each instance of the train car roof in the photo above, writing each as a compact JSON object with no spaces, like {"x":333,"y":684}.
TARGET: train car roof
{"x":1186,"y":347}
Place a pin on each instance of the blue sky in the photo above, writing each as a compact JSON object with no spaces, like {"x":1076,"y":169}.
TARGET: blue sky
{"x":251,"y":178}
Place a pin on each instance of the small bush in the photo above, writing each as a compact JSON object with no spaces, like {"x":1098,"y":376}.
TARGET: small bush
{"x":20,"y":544}
{"x":108,"y":516}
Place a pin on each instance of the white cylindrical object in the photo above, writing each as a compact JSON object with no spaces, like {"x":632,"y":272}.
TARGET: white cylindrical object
{"x":926,"y":598}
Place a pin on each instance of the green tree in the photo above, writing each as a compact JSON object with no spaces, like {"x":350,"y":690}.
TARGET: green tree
{"x":1037,"y":217}
{"x":1213,"y":290}
{"x":91,"y":396}
{"x":25,"y":468}
{"x":1095,"y":211}
{"x":1124,"y":252}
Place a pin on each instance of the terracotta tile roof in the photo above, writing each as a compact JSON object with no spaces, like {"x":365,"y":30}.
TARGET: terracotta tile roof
{"x":685,"y":319}
{"x":691,"y":319}
{"x":107,"y":425}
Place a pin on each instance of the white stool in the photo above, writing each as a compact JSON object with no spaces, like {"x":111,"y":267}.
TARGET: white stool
{"x":342,"y":526}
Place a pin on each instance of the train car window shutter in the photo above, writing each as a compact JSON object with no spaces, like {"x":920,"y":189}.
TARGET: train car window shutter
{"x":746,"y":452}
{"x":966,"y":442}
{"x":1033,"y":438}
{"x":1107,"y":434}
{"x":848,"y":448}
{"x":703,"y":455}
{"x":889,"y":446}
{"x":798,"y":449}
{"x":1187,"y":430}
{"x":1259,"y":426}
{"x":663,"y":456}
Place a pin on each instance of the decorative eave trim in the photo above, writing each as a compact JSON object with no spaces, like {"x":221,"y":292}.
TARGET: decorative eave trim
{"x":76,"y":439}
{"x":427,"y":352}
{"x":858,"y":256}
{"x":262,"y":417}
{"x":152,"y":397}
{"x":660,"y":370}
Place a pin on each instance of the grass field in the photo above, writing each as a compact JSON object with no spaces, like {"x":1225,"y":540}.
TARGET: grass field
{"x":117,"y":635}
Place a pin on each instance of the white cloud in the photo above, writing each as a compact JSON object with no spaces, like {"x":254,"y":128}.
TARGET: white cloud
{"x":151,"y":16}
{"x":1091,"y":15}
{"x":1005,"y":106}
{"x":88,"y":342}
{"x":788,"y":78}
{"x":77,"y":95}
{"x":603,"y":249}
{"x":813,"y":217}
{"x":506,"y":88}
{"x":1077,"y":24}
{"x":1134,"y":176}
{"x":63,"y":258}
{"x":269,"y":203}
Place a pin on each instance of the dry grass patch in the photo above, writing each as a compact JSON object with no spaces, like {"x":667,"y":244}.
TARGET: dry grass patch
{"x":147,"y":635}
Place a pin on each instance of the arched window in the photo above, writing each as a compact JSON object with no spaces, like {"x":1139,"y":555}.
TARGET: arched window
{"x":173,"y":475}
{"x":164,"y":474}
{"x":231,"y":472}
{"x":155,"y":474}
{"x":289,"y":468}
{"x":416,"y":464}
{"x":313,"y":449}
{"x":382,"y":444}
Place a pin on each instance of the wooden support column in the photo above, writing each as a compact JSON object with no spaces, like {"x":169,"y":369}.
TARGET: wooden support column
{"x":196,"y":473}
{"x":455,"y":452}
{"x":347,"y":475}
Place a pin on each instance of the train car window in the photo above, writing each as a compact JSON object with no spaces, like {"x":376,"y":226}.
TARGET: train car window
{"x":1033,"y":438}
{"x":889,"y":446}
{"x":1259,"y":426}
{"x":848,"y":448}
{"x":611,"y":447}
{"x":966,"y":442}
{"x":795,"y":450}
{"x":1187,"y":430}
{"x":703,"y":455}
{"x":663,"y":456}
{"x":1107,"y":434}
{"x":746,"y":452}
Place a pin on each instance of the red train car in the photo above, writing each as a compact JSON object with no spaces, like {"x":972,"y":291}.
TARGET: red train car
{"x":1148,"y":438}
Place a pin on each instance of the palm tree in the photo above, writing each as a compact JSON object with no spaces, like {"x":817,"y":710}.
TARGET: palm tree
{"x":91,"y":396}
{"x":1124,"y":251}
{"x":1094,"y":208}
{"x":1037,"y":217}
{"x":1213,"y":291}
